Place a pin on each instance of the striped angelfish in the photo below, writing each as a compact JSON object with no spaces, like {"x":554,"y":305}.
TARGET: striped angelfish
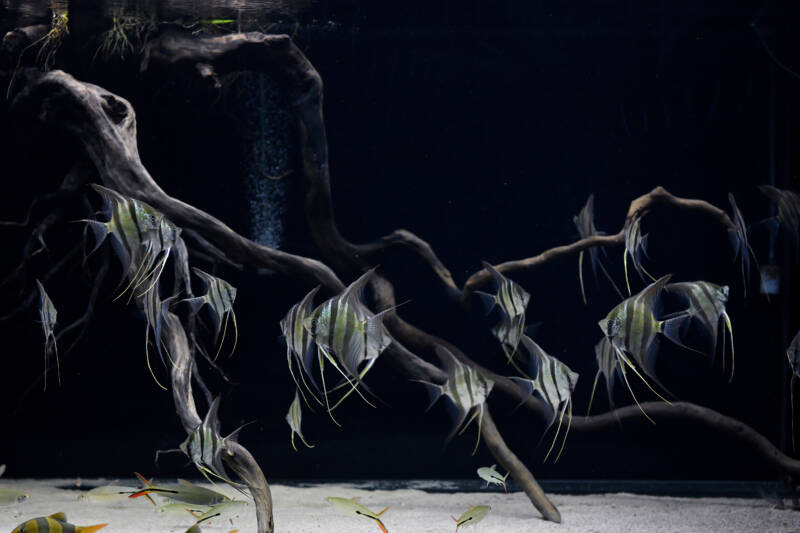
{"x":607,"y":365}
{"x":707,"y":305}
{"x":294,"y":418}
{"x":55,"y":523}
{"x":584,"y":221}
{"x":155,"y":313}
{"x":793,"y":354}
{"x":219,"y":296}
{"x":554,"y":382}
{"x":47,"y":316}
{"x":204,"y":445}
{"x":635,"y":246}
{"x":300,"y":346}
{"x":142,"y":237}
{"x":738,"y":238}
{"x":511,"y":297}
{"x":467,"y":390}
{"x":788,"y":210}
{"x":349,"y":336}
{"x":632,"y":328}
{"x":509,"y":331}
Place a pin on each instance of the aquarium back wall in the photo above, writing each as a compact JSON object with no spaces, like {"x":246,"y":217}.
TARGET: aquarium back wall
{"x":483,"y":130}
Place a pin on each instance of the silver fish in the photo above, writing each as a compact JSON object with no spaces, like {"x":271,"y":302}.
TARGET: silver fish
{"x":632,"y":329}
{"x":584,"y":221}
{"x":220,"y":296}
{"x":107,"y":494}
{"x":471,"y":516}
{"x":300,"y":345}
{"x":47,"y":316}
{"x":490,"y":475}
{"x":350,"y":506}
{"x":223,"y":511}
{"x":635,"y":247}
{"x":204,"y":446}
{"x":511,"y":297}
{"x":467,"y":390}
{"x":183,"y":491}
{"x":738,"y":238}
{"x":349,"y":336}
{"x":294,"y":419}
{"x":554,"y":382}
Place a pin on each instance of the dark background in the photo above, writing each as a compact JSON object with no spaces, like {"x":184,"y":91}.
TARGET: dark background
{"x":482,"y":127}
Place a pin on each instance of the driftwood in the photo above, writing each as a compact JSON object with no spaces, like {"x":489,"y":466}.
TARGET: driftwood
{"x":105,"y":126}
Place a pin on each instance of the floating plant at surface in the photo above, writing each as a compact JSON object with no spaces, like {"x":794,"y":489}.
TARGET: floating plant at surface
{"x":127,"y":35}
{"x":112,"y":151}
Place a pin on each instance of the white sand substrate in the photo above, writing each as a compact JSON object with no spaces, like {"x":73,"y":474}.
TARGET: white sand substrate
{"x":304,"y":510}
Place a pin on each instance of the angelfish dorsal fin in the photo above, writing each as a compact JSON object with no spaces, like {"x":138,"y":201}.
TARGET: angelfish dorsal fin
{"x":61,"y":516}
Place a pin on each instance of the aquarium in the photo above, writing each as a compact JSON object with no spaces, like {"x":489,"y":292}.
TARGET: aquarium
{"x":353,"y":266}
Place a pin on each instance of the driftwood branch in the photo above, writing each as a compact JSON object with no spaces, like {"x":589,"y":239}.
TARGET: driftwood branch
{"x":658,"y":196}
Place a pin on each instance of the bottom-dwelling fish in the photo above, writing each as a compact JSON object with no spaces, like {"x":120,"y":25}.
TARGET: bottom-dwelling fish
{"x":12,"y":496}
{"x":55,"y":523}
{"x":223,"y":511}
{"x":490,"y":475}
{"x":183,"y":491}
{"x":107,"y":494}
{"x":471,"y":516}
{"x":180,"y":509}
{"x":350,"y":506}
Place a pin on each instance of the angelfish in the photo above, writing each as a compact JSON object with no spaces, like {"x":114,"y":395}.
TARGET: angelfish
{"x":204,"y":445}
{"x":512,"y":300}
{"x":788,"y":210}
{"x":471,"y":516}
{"x":348,"y":336}
{"x":554,"y":382}
{"x":467,"y":390}
{"x":635,"y":245}
{"x":584,"y":221}
{"x":300,"y":346}
{"x":47,"y":316}
{"x":350,"y":506}
{"x":738,"y":239}
{"x":707,"y":304}
{"x":490,"y":475}
{"x":294,"y":419}
{"x":793,"y":353}
{"x":632,"y":329}
{"x":55,"y":523}
{"x":219,"y":296}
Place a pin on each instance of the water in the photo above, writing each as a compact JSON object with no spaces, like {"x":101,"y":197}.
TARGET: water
{"x":481,"y":129}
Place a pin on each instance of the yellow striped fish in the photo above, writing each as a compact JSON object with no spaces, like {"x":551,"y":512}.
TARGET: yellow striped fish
{"x":55,"y":523}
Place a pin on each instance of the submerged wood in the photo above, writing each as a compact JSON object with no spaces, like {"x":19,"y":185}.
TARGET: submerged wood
{"x":105,"y":125}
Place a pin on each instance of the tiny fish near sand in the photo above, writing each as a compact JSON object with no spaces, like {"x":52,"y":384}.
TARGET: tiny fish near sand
{"x":55,"y":523}
{"x":350,"y":506}
{"x":107,"y":494}
{"x":471,"y":516}
{"x":490,"y":475}
{"x":12,"y":496}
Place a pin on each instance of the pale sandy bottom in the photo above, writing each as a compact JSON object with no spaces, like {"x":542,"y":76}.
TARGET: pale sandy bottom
{"x":304,"y":510}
